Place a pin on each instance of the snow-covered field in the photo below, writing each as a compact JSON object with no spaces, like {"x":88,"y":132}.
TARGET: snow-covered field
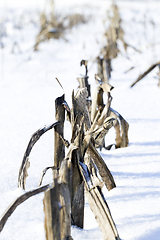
{"x":27,"y":92}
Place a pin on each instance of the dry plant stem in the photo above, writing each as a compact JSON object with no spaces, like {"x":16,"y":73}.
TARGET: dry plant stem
{"x":77,"y":194}
{"x":94,"y":105}
{"x":145,"y":73}
{"x":65,"y":201}
{"x":18,"y":201}
{"x":85,"y":63}
{"x":52,"y":212}
{"x":102,"y":167}
{"x":65,"y":216}
{"x":34,"y":138}
{"x":159,"y":75}
{"x":77,"y":185}
{"x":59,"y":148}
{"x":131,"y":68}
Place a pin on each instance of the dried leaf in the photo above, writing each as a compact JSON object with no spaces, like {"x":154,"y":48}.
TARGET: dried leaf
{"x":80,"y":101}
{"x":100,"y":132}
{"x":121,"y":131}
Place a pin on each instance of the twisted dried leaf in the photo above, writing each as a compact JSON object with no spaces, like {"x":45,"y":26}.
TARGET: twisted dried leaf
{"x":99,"y":206}
{"x":25,"y":173}
{"x":102,"y":167}
{"x":55,"y":173}
{"x":121,"y":131}
{"x":34,"y":138}
{"x":100,"y":132}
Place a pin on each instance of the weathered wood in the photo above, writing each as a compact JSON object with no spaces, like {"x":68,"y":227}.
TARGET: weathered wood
{"x":18,"y":201}
{"x":52,"y":212}
{"x":99,"y":205}
{"x":59,"y":148}
{"x":34,"y":138}
{"x":102,"y":167}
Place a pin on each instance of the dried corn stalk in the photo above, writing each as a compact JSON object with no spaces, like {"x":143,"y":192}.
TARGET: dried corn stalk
{"x":91,"y":133}
{"x":110,"y":50}
{"x":80,"y":102}
{"x":53,"y":26}
{"x":104,"y":117}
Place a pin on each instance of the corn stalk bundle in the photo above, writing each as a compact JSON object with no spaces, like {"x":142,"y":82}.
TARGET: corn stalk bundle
{"x":82,"y":171}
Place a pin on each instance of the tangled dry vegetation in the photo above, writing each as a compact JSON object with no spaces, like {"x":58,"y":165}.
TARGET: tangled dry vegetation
{"x":82,"y":171}
{"x":113,"y":33}
{"x":77,"y":170}
{"x":54,"y":26}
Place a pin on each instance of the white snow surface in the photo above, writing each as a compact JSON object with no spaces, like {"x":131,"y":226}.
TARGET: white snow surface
{"x":27,"y":93}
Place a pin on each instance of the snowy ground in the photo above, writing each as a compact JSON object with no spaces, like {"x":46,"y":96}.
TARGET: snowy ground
{"x":27,"y":92}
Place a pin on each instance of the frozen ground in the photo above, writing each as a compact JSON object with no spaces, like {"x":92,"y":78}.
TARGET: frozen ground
{"x":27,"y":92}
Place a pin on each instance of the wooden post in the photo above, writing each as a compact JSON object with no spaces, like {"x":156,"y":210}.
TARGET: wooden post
{"x":52,"y":213}
{"x":59,"y":148}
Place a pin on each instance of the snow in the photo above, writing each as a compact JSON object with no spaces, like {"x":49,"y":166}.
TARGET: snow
{"x":27,"y":92}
